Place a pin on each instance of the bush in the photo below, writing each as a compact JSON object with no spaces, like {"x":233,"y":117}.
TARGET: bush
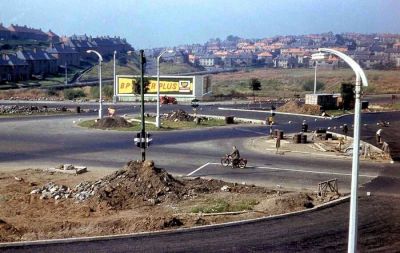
{"x":309,"y":85}
{"x":107,"y":91}
{"x":73,"y":93}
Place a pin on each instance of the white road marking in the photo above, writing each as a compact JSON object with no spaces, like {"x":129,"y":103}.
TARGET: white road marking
{"x":291,"y":170}
{"x":315,"y":172}
{"x":199,"y":168}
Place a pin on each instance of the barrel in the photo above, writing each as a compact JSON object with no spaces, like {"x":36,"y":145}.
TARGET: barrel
{"x":280,"y":134}
{"x":328,"y":136}
{"x":297,"y":138}
{"x":229,"y":119}
{"x":304,"y":138}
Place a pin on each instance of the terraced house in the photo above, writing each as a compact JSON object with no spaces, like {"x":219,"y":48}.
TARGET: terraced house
{"x":12,"y":68}
{"x":40,"y":62}
{"x":27,"y":33}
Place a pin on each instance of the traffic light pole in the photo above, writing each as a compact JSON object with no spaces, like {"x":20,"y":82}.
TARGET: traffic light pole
{"x":143,"y":131}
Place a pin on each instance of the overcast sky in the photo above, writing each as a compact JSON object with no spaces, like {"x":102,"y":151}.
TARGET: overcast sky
{"x":154,"y":23}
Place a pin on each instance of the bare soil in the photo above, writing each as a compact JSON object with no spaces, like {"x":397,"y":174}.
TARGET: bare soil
{"x":297,"y":107}
{"x":112,"y":122}
{"x":137,"y":198}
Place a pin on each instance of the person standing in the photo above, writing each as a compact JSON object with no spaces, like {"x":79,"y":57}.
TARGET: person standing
{"x":378,"y":136}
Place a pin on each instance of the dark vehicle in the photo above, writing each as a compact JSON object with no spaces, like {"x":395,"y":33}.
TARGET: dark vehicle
{"x":168,"y":100}
{"x":227,"y":161}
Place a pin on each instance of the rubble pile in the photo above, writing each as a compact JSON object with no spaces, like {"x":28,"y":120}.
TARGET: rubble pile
{"x":297,"y":107}
{"x":178,"y":115}
{"x":135,"y":184}
{"x":53,"y":191}
{"x":112,"y":122}
{"x":23,"y":109}
{"x":138,"y":181}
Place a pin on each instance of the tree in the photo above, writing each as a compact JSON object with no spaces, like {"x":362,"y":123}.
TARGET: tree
{"x":254,"y":85}
{"x":309,"y":85}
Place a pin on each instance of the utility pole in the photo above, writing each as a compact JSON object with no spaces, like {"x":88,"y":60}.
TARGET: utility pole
{"x":143,"y":131}
{"x":66,"y":74}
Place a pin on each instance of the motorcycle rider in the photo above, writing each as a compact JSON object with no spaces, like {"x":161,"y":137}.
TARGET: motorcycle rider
{"x":235,"y":156}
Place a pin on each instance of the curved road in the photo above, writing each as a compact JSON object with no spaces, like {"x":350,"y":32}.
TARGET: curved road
{"x":49,"y":141}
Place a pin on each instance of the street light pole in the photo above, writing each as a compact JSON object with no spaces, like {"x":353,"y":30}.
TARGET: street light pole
{"x":360,"y":75}
{"x":114,"y":81}
{"x":158,"y":123}
{"x":100,"y":87}
{"x":66,"y":74}
{"x":315,"y":77}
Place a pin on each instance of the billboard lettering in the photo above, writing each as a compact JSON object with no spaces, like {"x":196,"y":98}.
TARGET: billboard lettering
{"x":168,"y":85}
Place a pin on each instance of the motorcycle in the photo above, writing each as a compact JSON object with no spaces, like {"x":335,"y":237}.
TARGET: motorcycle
{"x":228,"y":161}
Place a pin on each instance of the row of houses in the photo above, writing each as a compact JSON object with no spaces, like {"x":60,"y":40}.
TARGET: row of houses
{"x":19,"y":64}
{"x":370,"y":50}
{"x":16,"y":32}
{"x":22,"y":63}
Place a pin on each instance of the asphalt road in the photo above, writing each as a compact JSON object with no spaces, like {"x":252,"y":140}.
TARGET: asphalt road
{"x":38,"y":142}
{"x":49,"y":141}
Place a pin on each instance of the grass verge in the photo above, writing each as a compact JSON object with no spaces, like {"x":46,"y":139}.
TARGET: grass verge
{"x":221,"y":205}
{"x":165,"y":124}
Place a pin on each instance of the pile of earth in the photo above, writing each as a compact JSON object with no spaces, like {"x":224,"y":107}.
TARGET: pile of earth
{"x":137,"y":182}
{"x":178,"y":115}
{"x":112,"y":122}
{"x":23,"y":109}
{"x":8,"y":232}
{"x":141,"y":183}
{"x":297,"y":107}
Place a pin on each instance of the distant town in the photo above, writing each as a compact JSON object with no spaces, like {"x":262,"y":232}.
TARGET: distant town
{"x":28,"y":53}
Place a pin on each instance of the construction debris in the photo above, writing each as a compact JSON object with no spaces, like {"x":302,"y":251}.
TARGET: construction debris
{"x":68,"y":168}
{"x":297,"y":107}
{"x":178,"y":115}
{"x":24,"y":109}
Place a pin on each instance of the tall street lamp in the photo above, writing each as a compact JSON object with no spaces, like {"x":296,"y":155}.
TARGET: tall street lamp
{"x":100,"y":100}
{"x":158,"y":87}
{"x":114,"y":80}
{"x":360,"y":76}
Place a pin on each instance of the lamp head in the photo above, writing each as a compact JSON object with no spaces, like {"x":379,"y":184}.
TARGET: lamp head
{"x":319,"y":56}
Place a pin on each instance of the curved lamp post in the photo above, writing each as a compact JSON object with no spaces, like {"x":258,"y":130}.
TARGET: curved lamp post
{"x":100,"y":102}
{"x":360,"y":76}
{"x":114,"y":81}
{"x":158,"y":123}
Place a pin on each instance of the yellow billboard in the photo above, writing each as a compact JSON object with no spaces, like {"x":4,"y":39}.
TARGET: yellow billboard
{"x":126,"y":85}
{"x":168,"y":85}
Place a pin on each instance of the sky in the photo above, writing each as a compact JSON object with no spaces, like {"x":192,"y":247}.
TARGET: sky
{"x":167,"y":23}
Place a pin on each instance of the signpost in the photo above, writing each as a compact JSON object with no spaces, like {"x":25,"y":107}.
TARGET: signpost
{"x":195,"y":104}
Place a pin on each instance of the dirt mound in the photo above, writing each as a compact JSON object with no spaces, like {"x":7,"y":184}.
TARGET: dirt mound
{"x":137,"y":182}
{"x":178,"y":115}
{"x":112,"y":122}
{"x":8,"y":232}
{"x":296,"y":107}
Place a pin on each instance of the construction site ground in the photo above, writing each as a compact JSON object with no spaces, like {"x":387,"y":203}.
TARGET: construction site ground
{"x":137,"y":198}
{"x":314,"y":146}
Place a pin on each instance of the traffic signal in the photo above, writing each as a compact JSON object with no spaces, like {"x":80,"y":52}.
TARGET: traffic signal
{"x":138,"y":140}
{"x":137,"y":88}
